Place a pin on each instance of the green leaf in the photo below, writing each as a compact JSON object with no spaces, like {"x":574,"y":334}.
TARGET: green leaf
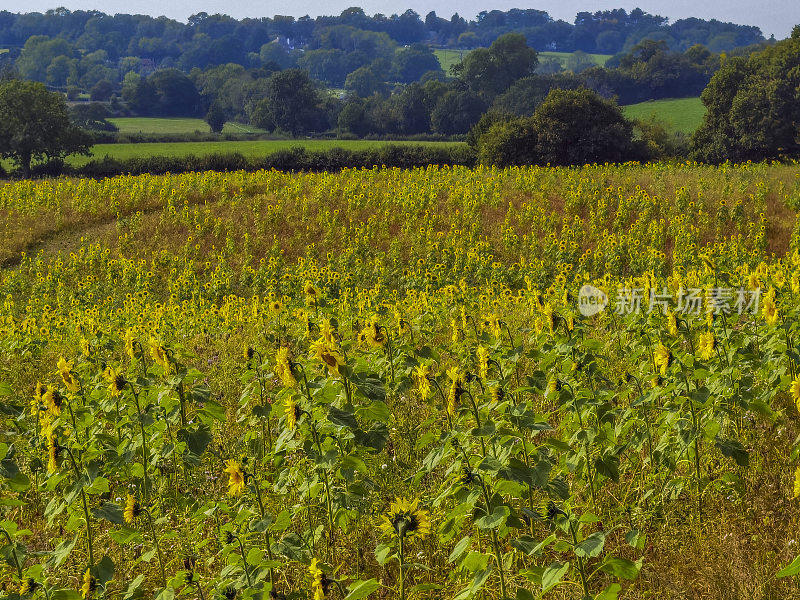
{"x":621,"y":567}
{"x":62,"y":551}
{"x":342,"y":418}
{"x":553,"y":574}
{"x":790,"y":570}
{"x":610,"y":593}
{"x":362,"y":589}
{"x":733,"y":449}
{"x":459,"y":550}
{"x":133,"y":588}
{"x":110,"y":512}
{"x":592,"y":546}
{"x":494,"y":520}
{"x":636,"y":538}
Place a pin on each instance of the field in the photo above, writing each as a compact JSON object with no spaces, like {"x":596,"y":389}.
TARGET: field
{"x":447,"y":58}
{"x":680,"y":114}
{"x":396,"y":384}
{"x":250,"y":148}
{"x":175,"y":126}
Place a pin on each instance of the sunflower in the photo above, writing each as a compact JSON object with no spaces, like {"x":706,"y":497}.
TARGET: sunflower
{"x":672,"y":324}
{"x":129,"y":339}
{"x":159,"y":354}
{"x":373,"y":334}
{"x":796,"y":493}
{"x":276,"y":306}
{"x":406,"y":519}
{"x":116,"y":381}
{"x":311,"y":293}
{"x":662,"y":358}
{"x":455,"y":391}
{"x":283,"y":368}
{"x":235,"y":477}
{"x":423,"y":383}
{"x":86,"y":349}
{"x":132,"y":509}
{"x":52,"y":453}
{"x":319,"y":581}
{"x":706,"y":345}
{"x":28,"y":586}
{"x":89,"y":585}
{"x":290,"y":410}
{"x":498,"y":393}
{"x":68,"y":376}
{"x":492,"y":322}
{"x":795,"y":390}
{"x":328,"y":354}
{"x":482,"y":354}
{"x":53,"y":401}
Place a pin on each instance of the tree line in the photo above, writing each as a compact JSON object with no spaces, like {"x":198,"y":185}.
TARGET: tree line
{"x":90,"y":50}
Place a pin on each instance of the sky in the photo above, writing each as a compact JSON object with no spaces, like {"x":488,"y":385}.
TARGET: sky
{"x":772,"y":16}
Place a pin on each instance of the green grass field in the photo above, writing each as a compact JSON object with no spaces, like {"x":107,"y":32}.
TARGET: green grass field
{"x":448,"y":58}
{"x":599,"y":59}
{"x":248,"y":148}
{"x":680,"y":114}
{"x":175,"y":126}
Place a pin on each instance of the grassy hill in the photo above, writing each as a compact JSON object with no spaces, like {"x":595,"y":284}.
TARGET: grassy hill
{"x":680,"y":114}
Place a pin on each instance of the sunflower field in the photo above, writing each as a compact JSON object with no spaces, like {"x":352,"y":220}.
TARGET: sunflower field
{"x":457,"y":383}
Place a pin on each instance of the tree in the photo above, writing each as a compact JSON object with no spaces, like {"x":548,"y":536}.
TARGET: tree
{"x":456,"y":112}
{"x":753,"y":106}
{"x":292,"y":104}
{"x":102,"y":90}
{"x":411,"y":63}
{"x":570,"y":127}
{"x":216,"y":117}
{"x":490,"y":71}
{"x":35,"y":125}
{"x":364,"y":82}
{"x":176,"y":93}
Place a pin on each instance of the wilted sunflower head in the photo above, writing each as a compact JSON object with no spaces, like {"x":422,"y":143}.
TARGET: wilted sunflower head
{"x":406,"y":519}
{"x":28,"y":586}
{"x":89,"y":586}
{"x":132,"y":509}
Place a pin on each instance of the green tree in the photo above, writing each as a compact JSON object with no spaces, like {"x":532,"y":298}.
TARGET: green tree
{"x":570,"y":127}
{"x":410,"y":64}
{"x":490,"y":71}
{"x":364,"y":82}
{"x":216,"y":118}
{"x":753,"y":106}
{"x":292,"y":104}
{"x":35,"y":125}
{"x":456,"y":112}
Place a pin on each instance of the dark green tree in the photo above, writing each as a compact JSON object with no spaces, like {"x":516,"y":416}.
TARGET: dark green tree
{"x":753,"y":106}
{"x":35,"y":125}
{"x":570,"y":127}
{"x":215,"y":117}
{"x":292,"y":104}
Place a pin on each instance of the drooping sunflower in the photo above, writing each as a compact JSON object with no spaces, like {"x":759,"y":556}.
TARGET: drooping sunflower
{"x":373,"y":334}
{"x":52,"y":453}
{"x":235,"y":477}
{"x":290,"y":410}
{"x":28,"y":586}
{"x":796,"y":493}
{"x":795,"y":390}
{"x":706,"y":345}
{"x":67,"y":375}
{"x":423,"y":383}
{"x":672,"y":324}
{"x":283,"y":368}
{"x":455,"y":391}
{"x":129,"y":338}
{"x":53,"y":401}
{"x":132,"y":509}
{"x":482,"y":354}
{"x":662,"y":358}
{"x":769,"y":308}
{"x":328,"y":354}
{"x":89,"y":585}
{"x":319,"y":581}
{"x":406,"y":519}
{"x":116,"y":381}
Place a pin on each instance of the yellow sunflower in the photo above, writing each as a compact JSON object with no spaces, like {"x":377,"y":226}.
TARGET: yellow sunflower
{"x":235,"y":477}
{"x":406,"y":519}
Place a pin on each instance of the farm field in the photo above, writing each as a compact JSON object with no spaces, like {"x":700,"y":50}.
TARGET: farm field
{"x":174,"y":125}
{"x":680,"y":114}
{"x":391,"y":384}
{"x":251,"y":148}
{"x":448,"y":58}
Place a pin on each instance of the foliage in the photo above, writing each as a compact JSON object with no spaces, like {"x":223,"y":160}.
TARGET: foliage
{"x":35,"y":125}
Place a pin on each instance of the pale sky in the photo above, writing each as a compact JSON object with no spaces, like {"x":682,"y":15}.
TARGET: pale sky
{"x":772,"y":16}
